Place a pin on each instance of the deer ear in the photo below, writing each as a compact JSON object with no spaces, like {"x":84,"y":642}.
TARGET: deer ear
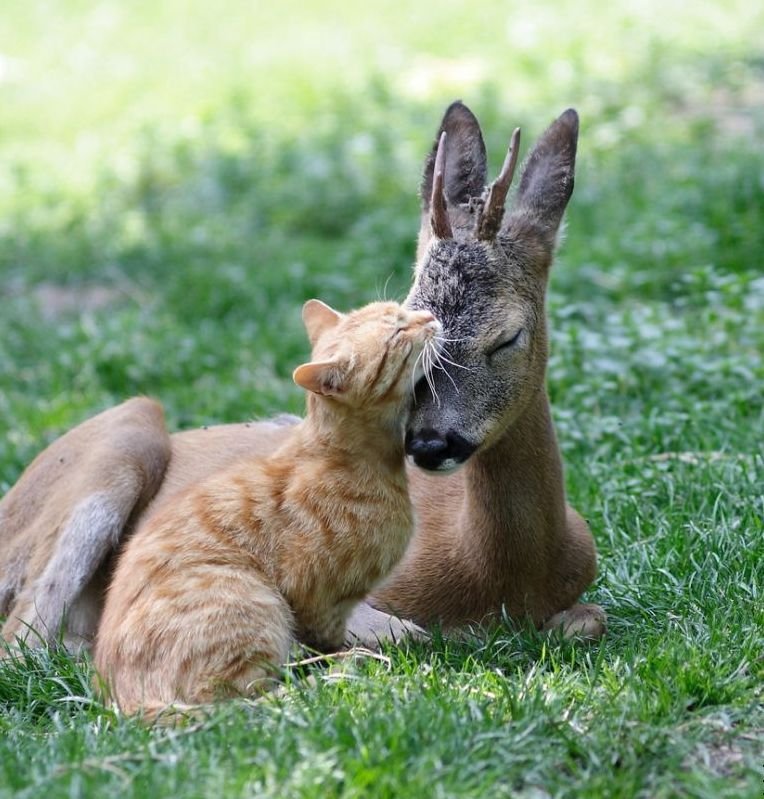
{"x":465,"y":166}
{"x":318,"y":317}
{"x":547,"y":181}
{"x":320,"y":377}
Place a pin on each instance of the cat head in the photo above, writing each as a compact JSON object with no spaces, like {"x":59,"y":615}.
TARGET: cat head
{"x":369,"y":357}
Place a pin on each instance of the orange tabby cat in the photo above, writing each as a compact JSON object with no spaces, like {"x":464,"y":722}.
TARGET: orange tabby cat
{"x":210,"y":593}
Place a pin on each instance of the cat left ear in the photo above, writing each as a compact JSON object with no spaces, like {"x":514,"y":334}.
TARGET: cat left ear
{"x":318,"y":317}
{"x":320,"y":377}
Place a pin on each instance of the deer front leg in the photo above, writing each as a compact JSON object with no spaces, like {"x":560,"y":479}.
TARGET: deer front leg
{"x":579,"y":621}
{"x":577,"y":569}
{"x":370,"y":627}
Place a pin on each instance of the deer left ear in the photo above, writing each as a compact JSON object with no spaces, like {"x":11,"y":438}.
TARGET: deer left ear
{"x":547,"y":181}
{"x":320,"y":377}
{"x":318,"y":317}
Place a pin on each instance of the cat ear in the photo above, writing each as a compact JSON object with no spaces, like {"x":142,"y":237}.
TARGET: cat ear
{"x":320,"y":377}
{"x":318,"y":317}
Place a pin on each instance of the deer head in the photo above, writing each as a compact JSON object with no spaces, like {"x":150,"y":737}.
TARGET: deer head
{"x":483,"y":273}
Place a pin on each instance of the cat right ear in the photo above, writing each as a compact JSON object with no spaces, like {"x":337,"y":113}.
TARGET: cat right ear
{"x":318,"y":317}
{"x":320,"y":377}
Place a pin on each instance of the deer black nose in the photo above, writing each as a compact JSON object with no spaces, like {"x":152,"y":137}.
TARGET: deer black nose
{"x":434,"y":452}
{"x":426,"y":449}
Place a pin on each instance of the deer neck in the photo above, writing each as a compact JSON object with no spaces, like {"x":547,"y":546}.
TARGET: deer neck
{"x":514,"y":500}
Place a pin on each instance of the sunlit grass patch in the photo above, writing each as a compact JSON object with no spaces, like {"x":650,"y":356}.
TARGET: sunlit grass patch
{"x":177,"y":180}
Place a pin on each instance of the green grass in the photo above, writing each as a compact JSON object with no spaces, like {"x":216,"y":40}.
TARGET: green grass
{"x":211,"y":170}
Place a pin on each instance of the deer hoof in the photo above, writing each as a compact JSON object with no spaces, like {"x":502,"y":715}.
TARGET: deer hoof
{"x":370,"y":628}
{"x":588,"y":622}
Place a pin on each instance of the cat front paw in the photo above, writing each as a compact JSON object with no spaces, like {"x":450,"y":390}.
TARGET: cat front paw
{"x":369,"y":628}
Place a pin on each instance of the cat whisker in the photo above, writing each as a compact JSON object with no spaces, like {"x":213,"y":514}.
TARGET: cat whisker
{"x":438,"y":364}
{"x":419,"y":357}
{"x":382,"y":296}
{"x":442,"y":345}
{"x":454,"y":363}
{"x":450,"y":340}
{"x":445,"y":355}
{"x":448,"y":375}
{"x":428,"y":362}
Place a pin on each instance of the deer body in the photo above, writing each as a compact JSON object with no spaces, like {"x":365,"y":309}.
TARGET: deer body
{"x":493,"y":536}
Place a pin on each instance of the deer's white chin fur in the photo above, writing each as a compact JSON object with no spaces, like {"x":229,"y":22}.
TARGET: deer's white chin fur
{"x":449,"y":466}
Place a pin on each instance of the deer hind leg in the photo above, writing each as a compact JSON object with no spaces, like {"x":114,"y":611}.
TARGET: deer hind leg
{"x":576,"y":571}
{"x":66,"y":515}
{"x":50,"y":603}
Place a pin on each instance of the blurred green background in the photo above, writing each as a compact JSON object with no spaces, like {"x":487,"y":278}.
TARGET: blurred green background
{"x":188,"y":174}
{"x":176,"y":178}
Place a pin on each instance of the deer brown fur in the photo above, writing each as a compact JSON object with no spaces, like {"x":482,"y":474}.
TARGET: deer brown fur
{"x":492,"y":536}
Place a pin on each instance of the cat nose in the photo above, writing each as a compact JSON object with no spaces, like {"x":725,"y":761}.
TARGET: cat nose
{"x":435,"y":452}
{"x":429,"y":322}
{"x":420,"y":318}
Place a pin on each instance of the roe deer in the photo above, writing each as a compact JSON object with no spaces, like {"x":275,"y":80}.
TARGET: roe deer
{"x":497,"y":534}
{"x":494,"y":536}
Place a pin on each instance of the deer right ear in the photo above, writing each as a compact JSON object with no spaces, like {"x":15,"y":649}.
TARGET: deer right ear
{"x":318,"y":317}
{"x":457,"y":164}
{"x":465,"y":165}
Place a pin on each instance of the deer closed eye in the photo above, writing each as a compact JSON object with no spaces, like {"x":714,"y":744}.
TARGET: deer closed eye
{"x":506,"y":343}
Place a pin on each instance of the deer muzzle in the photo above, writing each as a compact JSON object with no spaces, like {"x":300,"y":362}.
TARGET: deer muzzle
{"x":438,"y":452}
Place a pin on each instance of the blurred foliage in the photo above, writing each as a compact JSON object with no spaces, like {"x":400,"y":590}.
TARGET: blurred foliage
{"x":209,"y":171}
{"x":178,"y":177}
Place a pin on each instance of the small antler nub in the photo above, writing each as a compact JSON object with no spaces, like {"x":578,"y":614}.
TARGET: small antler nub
{"x":441,"y":225}
{"x":489,"y":221}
